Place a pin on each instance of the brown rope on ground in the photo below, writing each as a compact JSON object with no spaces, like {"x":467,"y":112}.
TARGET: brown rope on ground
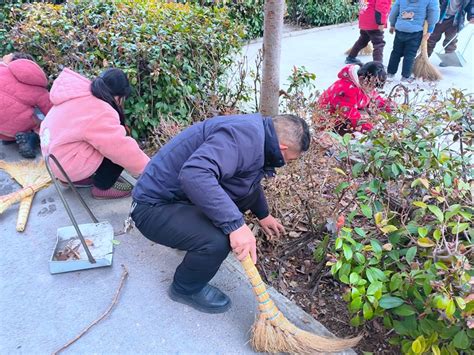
{"x":105,"y":314}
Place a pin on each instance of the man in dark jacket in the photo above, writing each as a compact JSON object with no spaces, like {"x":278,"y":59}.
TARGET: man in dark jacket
{"x":193,"y":193}
{"x":452,"y":16}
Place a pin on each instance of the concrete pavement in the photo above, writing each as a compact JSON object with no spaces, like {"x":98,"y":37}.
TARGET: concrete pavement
{"x":41,"y":312}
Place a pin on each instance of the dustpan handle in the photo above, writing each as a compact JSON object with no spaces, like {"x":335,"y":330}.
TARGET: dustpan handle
{"x":66,"y":205}
{"x":456,"y":36}
{"x":467,"y":43}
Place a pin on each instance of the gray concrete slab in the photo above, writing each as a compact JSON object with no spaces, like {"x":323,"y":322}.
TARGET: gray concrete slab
{"x":40,"y":312}
{"x":321,"y":51}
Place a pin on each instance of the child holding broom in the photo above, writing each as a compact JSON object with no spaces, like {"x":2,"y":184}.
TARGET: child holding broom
{"x":353,"y":94}
{"x":372,"y":22}
{"x":23,"y":95}
{"x":85,"y":130}
{"x":406,"y":21}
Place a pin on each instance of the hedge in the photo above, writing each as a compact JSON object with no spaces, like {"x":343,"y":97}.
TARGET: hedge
{"x":174,"y":54}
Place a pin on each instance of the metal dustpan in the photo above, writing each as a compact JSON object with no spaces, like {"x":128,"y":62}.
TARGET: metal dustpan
{"x":80,"y":246}
{"x":454,"y":59}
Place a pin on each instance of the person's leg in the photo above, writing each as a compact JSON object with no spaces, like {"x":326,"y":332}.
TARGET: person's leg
{"x":106,"y":184}
{"x":435,"y":37}
{"x":183,"y":226}
{"x":377,"y":39}
{"x":397,"y":52}
{"x":360,"y":44}
{"x":449,"y":34}
{"x":411,"y":48}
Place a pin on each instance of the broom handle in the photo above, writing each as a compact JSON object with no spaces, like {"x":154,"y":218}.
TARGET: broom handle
{"x":8,"y":200}
{"x":265,"y":304}
{"x":23,"y":212}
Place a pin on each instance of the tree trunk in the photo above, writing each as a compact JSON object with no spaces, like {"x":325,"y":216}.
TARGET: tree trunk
{"x":273,"y":27}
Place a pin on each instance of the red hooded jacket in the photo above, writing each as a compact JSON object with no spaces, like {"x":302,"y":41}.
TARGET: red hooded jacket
{"x":373,"y":13}
{"x":22,"y":88}
{"x":346,"y":99}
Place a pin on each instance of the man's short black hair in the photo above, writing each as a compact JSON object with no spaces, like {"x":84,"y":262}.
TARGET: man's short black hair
{"x":293,"y":130}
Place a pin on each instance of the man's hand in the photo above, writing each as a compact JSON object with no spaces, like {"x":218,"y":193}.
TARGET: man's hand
{"x":271,"y":226}
{"x":426,"y":36}
{"x":392,"y":30}
{"x":381,"y":28}
{"x":242,"y":242}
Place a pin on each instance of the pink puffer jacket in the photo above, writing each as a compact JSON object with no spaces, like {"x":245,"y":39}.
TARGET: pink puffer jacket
{"x":22,"y":88}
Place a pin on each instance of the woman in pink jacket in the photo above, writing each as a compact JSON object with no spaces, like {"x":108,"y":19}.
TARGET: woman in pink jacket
{"x":23,"y":97}
{"x":85,"y":131}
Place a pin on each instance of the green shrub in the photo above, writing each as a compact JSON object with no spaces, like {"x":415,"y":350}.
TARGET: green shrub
{"x":321,"y":12}
{"x":248,"y":13}
{"x":406,"y":252}
{"x":175,"y":55}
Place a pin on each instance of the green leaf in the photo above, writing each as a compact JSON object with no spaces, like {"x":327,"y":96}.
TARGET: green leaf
{"x":339,"y":171}
{"x":388,"y":302}
{"x":410,"y":255}
{"x":338,"y":243}
{"x":422,"y":231}
{"x":354,"y":278}
{"x":437,"y":234}
{"x":356,"y":304}
{"x":435,"y":349}
{"x":450,"y":308}
{"x":448,"y":181}
{"x":359,"y":231}
{"x":346,"y":139}
{"x":420,"y":204}
{"x":461,"y":303}
{"x":357,"y":169}
{"x":437,"y":212}
{"x":115,"y":242}
{"x":404,"y":310}
{"x":374,"y":274}
{"x":367,"y":311}
{"x":395,"y":282}
{"x":378,"y":218}
{"x":360,"y":258}
{"x":375,"y":289}
{"x":356,"y":321}
{"x":389,"y":229}
{"x":418,"y":346}
{"x":341,"y":187}
{"x":425,"y":243}
{"x":395,"y":170}
{"x":461,"y":341}
{"x":366,"y":210}
{"x":347,"y":251}
{"x":458,"y":228}
{"x":376,"y":247}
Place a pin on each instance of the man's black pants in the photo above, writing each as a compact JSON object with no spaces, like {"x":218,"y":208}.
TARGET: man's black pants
{"x":405,"y":45}
{"x":182,"y":225}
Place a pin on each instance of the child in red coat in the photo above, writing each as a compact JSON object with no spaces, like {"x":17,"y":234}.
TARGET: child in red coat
{"x":350,"y":97}
{"x":372,"y":22}
{"x":23,"y":97}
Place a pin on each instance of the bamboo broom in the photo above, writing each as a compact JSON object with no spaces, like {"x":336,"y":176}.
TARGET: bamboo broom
{"x":367,"y":50}
{"x":273,"y":332}
{"x":423,"y":68}
{"x":33,"y":176}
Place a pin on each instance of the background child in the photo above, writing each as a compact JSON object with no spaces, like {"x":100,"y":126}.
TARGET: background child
{"x":372,"y":22}
{"x":22,"y":93}
{"x":85,"y":131}
{"x":353,"y":94}
{"x":407,"y":19}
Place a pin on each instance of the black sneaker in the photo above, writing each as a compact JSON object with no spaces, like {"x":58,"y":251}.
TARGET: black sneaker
{"x":209,"y":300}
{"x":353,"y":60}
{"x":27,"y":144}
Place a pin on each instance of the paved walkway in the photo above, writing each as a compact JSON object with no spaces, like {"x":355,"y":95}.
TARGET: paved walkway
{"x":321,"y":51}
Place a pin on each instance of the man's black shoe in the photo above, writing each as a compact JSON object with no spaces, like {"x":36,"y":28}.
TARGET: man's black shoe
{"x":27,"y":144}
{"x":209,"y":300}
{"x":8,"y":142}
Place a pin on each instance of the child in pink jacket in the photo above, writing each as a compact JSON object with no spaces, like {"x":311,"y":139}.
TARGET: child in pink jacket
{"x":85,"y":131}
{"x":23,"y":96}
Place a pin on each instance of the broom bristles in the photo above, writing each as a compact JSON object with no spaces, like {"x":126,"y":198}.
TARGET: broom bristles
{"x":367,"y":50}
{"x":273,"y":332}
{"x":266,"y":337}
{"x":423,"y":68}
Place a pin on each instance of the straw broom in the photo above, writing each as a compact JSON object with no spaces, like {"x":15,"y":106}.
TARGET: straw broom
{"x":33,"y":176}
{"x":367,"y":50}
{"x":423,"y":68}
{"x":273,"y":332}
